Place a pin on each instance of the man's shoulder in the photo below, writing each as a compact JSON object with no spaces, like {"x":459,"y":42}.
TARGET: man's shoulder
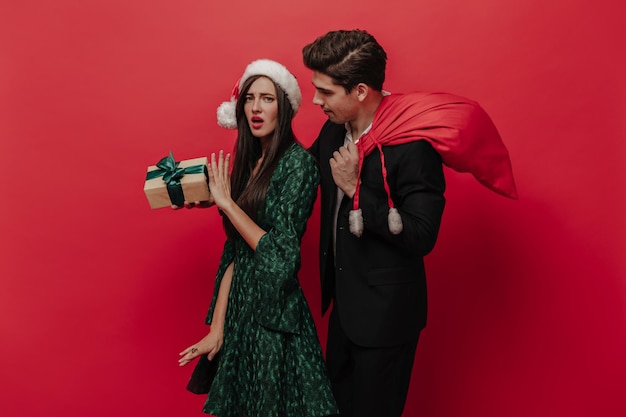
{"x":330,"y":137}
{"x":417,"y":149}
{"x":419,"y":144}
{"x":330,"y":128}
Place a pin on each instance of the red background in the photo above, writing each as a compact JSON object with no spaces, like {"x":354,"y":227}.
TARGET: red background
{"x":98,"y":293}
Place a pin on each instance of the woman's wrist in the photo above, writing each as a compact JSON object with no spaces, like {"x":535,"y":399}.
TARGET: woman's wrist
{"x":228,"y":207}
{"x":217,"y":326}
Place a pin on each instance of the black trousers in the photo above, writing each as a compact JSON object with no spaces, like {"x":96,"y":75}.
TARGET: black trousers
{"x":368,"y":382}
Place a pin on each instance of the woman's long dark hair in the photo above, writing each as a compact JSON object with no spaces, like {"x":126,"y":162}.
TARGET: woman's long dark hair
{"x":246,"y":190}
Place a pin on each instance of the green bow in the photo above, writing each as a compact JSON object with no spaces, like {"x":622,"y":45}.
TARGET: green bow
{"x":168,"y":168}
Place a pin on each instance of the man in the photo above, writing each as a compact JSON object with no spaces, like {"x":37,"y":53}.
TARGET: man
{"x":372,"y":265}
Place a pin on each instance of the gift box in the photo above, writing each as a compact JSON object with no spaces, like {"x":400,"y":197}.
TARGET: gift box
{"x":172,"y":183}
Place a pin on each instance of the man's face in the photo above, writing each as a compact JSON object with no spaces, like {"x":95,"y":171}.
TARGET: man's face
{"x":339,"y":106}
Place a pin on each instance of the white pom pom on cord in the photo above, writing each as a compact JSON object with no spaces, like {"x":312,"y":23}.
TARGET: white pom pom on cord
{"x":395,"y":221}
{"x":355,"y":220}
{"x":226,"y":114}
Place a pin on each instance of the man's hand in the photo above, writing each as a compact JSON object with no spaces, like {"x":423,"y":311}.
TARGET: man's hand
{"x":344,"y":166}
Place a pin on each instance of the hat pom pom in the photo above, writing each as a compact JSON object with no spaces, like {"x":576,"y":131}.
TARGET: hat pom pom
{"x":355,"y":220}
{"x":226,"y":115}
{"x":395,"y":221}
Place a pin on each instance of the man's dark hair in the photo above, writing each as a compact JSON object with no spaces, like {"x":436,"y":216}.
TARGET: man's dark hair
{"x":349,"y":57}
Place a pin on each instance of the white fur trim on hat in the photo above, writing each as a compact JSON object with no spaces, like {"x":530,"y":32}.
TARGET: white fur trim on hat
{"x":226,"y":112}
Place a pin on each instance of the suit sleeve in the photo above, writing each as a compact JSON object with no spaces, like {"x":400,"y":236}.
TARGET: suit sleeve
{"x":417,"y":184}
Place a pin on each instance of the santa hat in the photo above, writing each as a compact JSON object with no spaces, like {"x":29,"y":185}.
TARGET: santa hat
{"x":226,"y":112}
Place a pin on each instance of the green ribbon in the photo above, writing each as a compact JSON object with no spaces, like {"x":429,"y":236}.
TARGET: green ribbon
{"x":168,"y":168}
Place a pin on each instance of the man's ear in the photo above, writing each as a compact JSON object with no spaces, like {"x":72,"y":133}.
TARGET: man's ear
{"x":362,"y":90}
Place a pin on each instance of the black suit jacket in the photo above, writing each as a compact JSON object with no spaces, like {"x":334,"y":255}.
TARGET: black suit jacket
{"x":377,"y":281}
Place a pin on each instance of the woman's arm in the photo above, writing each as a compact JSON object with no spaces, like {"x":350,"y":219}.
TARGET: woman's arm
{"x":219,"y":314}
{"x":212,"y":342}
{"x":219,"y":184}
{"x":248,"y":229}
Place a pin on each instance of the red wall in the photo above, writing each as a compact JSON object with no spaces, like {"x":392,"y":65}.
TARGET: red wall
{"x":98,"y":293}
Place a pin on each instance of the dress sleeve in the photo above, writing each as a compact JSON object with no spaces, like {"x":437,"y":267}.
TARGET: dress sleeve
{"x":289,"y":204}
{"x":228,"y":255}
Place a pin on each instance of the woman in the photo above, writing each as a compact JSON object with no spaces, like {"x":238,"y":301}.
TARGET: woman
{"x":270,"y":359}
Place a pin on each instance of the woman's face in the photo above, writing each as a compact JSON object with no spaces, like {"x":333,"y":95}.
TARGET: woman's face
{"x":261,"y":108}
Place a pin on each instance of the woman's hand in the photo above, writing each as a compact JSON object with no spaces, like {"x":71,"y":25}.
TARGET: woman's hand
{"x":209,"y":345}
{"x":200,"y":204}
{"x":219,"y":179}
